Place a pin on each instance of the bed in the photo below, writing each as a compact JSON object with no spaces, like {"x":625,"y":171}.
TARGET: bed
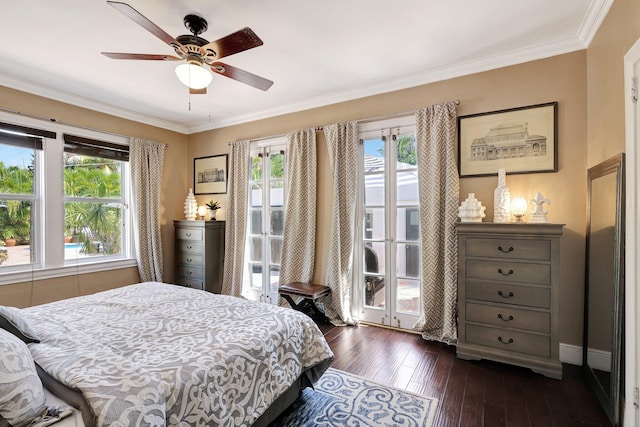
{"x":160,"y":354}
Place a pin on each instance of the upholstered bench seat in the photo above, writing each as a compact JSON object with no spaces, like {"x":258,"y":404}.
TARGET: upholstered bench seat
{"x":310,"y":293}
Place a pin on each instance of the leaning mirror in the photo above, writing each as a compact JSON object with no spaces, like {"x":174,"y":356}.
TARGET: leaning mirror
{"x":603,"y":345}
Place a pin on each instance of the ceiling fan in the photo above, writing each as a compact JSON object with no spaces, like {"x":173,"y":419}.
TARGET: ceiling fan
{"x":196,"y":52}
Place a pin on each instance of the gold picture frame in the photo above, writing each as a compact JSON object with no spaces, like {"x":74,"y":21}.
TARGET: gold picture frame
{"x":518,"y":140}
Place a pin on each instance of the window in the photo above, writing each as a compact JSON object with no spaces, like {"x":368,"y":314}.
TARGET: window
{"x":389,"y":247}
{"x":20,"y":166}
{"x":93,"y":197}
{"x":63,"y":201}
{"x":265,"y":229}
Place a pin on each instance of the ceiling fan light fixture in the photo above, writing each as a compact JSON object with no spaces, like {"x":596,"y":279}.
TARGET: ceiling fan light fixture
{"x":193,"y":75}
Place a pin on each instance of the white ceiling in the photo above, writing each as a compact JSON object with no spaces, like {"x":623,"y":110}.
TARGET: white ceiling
{"x":316,"y":52}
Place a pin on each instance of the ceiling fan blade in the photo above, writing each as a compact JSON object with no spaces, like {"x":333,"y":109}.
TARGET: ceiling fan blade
{"x":202,"y":91}
{"x":141,"y":20}
{"x":145,"y":56}
{"x":241,"y":76}
{"x":239,"y":41}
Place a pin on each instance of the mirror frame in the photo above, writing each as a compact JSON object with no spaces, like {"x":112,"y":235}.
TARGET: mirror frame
{"x":611,"y":399}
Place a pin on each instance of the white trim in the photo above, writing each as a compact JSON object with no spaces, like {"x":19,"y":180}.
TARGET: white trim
{"x":599,"y":359}
{"x":571,"y":354}
{"x":632,"y":243}
{"x":593,"y":19}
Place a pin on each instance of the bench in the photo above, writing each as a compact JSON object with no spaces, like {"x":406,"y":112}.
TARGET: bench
{"x":310,"y":293}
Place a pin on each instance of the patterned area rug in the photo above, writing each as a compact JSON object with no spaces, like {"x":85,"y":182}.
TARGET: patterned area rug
{"x":343,"y":399}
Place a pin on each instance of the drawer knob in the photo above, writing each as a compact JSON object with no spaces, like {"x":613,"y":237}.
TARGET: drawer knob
{"x":510,"y":295}
{"x":510,"y":341}
{"x":501,"y":317}
{"x":506,"y":251}
{"x":189,"y":273}
{"x":189,"y":260}
{"x":189,"y":247}
{"x":188,"y":234}
{"x":508,"y":273}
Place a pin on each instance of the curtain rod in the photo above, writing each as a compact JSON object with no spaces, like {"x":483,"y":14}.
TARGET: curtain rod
{"x":53,"y":120}
{"x":393,"y":115}
{"x":367,"y":120}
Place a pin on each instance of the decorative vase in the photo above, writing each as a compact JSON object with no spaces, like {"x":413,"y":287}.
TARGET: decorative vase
{"x":501,"y":199}
{"x":190,"y":206}
{"x":471,"y":210}
{"x":212,"y":214}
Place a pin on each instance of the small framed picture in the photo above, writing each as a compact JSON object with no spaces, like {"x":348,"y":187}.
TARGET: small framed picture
{"x":210,"y":174}
{"x":519,"y":140}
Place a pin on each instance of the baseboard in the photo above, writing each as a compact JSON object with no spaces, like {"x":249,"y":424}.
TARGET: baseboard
{"x":598,"y":359}
{"x":571,"y":354}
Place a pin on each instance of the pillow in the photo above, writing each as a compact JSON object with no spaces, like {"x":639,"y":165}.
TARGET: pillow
{"x":21,"y":392}
{"x":12,"y":321}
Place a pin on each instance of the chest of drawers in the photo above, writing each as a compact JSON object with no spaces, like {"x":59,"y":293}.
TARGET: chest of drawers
{"x":508,"y":286}
{"x":199,"y":254}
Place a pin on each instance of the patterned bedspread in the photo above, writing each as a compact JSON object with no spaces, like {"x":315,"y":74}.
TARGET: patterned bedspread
{"x":159,"y":354}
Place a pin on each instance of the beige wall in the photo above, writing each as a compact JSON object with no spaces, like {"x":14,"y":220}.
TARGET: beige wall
{"x":173,"y":193}
{"x":605,"y":80}
{"x":562,"y":78}
{"x":42,"y":291}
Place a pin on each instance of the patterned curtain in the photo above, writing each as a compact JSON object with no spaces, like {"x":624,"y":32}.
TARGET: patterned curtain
{"x":236,"y":220}
{"x":299,"y":241}
{"x":342,"y":144}
{"x":438,"y":195}
{"x":146,"y":159}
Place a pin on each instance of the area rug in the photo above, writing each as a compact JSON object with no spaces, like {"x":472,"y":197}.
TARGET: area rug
{"x":343,"y":399}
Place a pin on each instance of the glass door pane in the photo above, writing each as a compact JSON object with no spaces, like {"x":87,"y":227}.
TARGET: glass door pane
{"x":266,"y":223}
{"x":390,"y":233}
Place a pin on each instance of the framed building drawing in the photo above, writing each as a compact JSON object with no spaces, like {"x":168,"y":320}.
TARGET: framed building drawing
{"x":520,"y":140}
{"x":210,"y":174}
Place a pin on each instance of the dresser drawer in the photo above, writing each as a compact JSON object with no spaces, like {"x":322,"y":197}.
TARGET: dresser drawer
{"x":507,"y":340}
{"x":530,"y":296}
{"x":509,"y":248}
{"x":190,"y":283}
{"x":189,"y":272}
{"x":189,"y":246}
{"x":509,"y":271}
{"x":189,"y":234}
{"x":189,"y":260}
{"x":509,"y":317}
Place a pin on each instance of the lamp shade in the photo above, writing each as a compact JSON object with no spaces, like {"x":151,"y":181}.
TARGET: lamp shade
{"x":518,"y":206}
{"x":193,"y":75}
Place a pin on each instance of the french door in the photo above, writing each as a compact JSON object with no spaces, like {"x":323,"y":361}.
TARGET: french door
{"x":389,"y":238}
{"x":265,"y":224}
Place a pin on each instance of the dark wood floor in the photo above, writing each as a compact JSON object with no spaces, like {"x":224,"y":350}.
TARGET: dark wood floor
{"x":470,"y":393}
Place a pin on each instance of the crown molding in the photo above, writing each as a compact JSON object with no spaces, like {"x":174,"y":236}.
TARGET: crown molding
{"x":91,"y":104}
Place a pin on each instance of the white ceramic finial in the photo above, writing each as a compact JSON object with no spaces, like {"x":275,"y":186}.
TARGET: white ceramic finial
{"x":539,"y":214}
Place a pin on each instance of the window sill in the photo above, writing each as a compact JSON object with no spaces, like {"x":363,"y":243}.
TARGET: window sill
{"x":68,"y":270}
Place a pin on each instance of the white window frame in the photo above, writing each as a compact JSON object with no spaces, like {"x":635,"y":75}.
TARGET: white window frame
{"x":267,"y":294}
{"x":47,"y":210}
{"x":386,"y":316}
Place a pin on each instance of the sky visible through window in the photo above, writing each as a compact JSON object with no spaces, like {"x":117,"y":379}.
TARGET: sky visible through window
{"x":373,"y":147}
{"x":15,"y":156}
